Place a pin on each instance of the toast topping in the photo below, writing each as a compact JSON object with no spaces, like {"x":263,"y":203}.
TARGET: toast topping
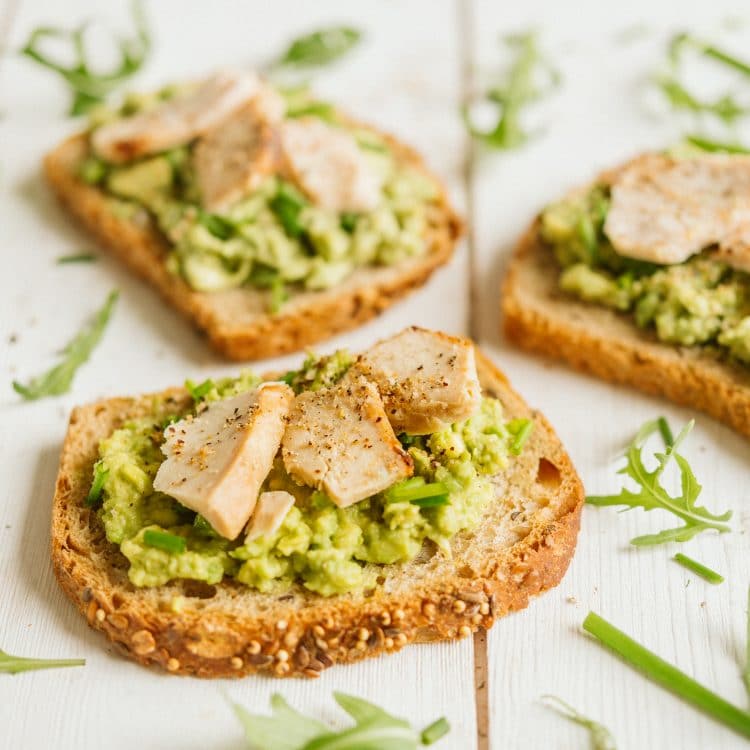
{"x":217,"y":461}
{"x":664,"y":210}
{"x":339,"y":440}
{"x":175,"y":122}
{"x":426,"y":379}
{"x":234,"y":157}
{"x":269,"y":514}
{"x":328,"y":166}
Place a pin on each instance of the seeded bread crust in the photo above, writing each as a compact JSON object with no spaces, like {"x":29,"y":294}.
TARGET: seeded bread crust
{"x":236,"y":321}
{"x":522,"y":547}
{"x":540,"y":318}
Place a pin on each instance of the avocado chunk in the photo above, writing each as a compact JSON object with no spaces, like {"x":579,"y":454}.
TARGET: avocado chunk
{"x":144,"y":182}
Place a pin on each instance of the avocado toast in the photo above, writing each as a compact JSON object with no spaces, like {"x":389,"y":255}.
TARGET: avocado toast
{"x":268,"y":218}
{"x":642,"y":278}
{"x":362,"y":540}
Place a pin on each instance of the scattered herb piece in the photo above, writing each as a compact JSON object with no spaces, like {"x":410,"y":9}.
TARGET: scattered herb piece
{"x":601,"y":737}
{"x":217,"y":225}
{"x":88,"y":86}
{"x":320,"y":47}
{"x":279,"y":294}
{"x":92,"y":170}
{"x":374,"y":729}
{"x":202,"y":526}
{"x":518,"y":91}
{"x":323,"y":110}
{"x":666,"y":432}
{"x":652,"y":495}
{"x":746,"y":672}
{"x":197,"y":392}
{"x":15,"y":664}
{"x":164,"y":540}
{"x":521,"y":429}
{"x":698,"y":568}
{"x":80,"y":258}
{"x":287,"y":204}
{"x":667,"y":675}
{"x":715,"y":147}
{"x":95,"y":493}
{"x":348,"y":222}
{"x":725,"y":107}
{"x":59,"y":379}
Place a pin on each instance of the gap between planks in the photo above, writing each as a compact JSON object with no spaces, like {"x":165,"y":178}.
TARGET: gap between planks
{"x":465,"y":29}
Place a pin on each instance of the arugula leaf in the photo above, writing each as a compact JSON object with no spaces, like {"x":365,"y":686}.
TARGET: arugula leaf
{"x":519,"y":90}
{"x":374,"y":729}
{"x":320,"y":47}
{"x":725,"y":107}
{"x":88,"y":86}
{"x":652,"y":494}
{"x":601,"y":737}
{"x":15,"y":664}
{"x":59,"y":379}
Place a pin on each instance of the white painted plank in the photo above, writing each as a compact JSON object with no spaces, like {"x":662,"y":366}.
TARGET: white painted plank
{"x":405,"y":77}
{"x":593,"y":121}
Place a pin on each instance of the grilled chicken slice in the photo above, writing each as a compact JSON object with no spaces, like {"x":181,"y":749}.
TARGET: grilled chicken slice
{"x":664,"y":209}
{"x":269,"y":514}
{"x":339,"y":440}
{"x":178,"y":121}
{"x":328,"y":166}
{"x":426,"y":379}
{"x":217,"y":461}
{"x":235,"y":156}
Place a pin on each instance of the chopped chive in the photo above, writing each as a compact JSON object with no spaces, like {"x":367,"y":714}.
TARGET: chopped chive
{"x":699,"y":569}
{"x":289,"y":377}
{"x":202,"y":526}
{"x":716,"y":146}
{"x":199,"y":391}
{"x":14,"y":664}
{"x":666,"y":432}
{"x":348,"y":222}
{"x":287,"y":204}
{"x":667,"y":675}
{"x":279,"y":294}
{"x":435,"y":731}
{"x":217,"y":225}
{"x":164,"y":540}
{"x":409,"y":491}
{"x":430,"y":502}
{"x":522,"y":433}
{"x":95,"y":493}
{"x":80,"y":258}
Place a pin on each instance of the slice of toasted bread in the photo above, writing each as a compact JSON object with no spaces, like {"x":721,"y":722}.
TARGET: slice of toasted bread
{"x":237,"y":321}
{"x":540,"y":318}
{"x":522,"y":547}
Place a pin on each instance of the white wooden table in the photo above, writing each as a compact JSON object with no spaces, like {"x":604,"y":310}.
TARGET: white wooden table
{"x":419,"y":61}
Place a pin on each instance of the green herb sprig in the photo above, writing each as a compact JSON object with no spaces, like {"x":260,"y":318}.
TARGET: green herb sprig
{"x":667,"y":675}
{"x":164,"y":541}
{"x":519,"y":90}
{"x":374,"y":729}
{"x":651,"y":495}
{"x":601,"y":737}
{"x":698,"y":568}
{"x":200,"y":390}
{"x":15,"y":664}
{"x":97,"y":485}
{"x":59,"y":379}
{"x":79,"y":258}
{"x":319,"y":47}
{"x":88,"y":86}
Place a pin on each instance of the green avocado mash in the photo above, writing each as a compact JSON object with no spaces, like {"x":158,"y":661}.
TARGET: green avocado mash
{"x":273,"y":237}
{"x":328,"y":549}
{"x":699,"y":302}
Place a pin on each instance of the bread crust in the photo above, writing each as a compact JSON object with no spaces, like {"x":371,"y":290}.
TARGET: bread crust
{"x":538,"y":317}
{"x":522,"y":547}
{"x":236,"y":321}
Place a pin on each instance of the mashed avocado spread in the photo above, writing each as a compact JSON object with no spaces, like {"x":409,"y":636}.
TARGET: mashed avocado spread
{"x":273,"y":238}
{"x":330,"y":550}
{"x":698,"y":302}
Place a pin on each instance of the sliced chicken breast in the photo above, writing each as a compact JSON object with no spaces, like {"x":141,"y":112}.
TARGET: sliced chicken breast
{"x":217,"y":461}
{"x":426,"y":379}
{"x":269,"y":514}
{"x":178,"y":121}
{"x":328,"y":166}
{"x":664,"y":210}
{"x":339,"y":441}
{"x":235,"y":156}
